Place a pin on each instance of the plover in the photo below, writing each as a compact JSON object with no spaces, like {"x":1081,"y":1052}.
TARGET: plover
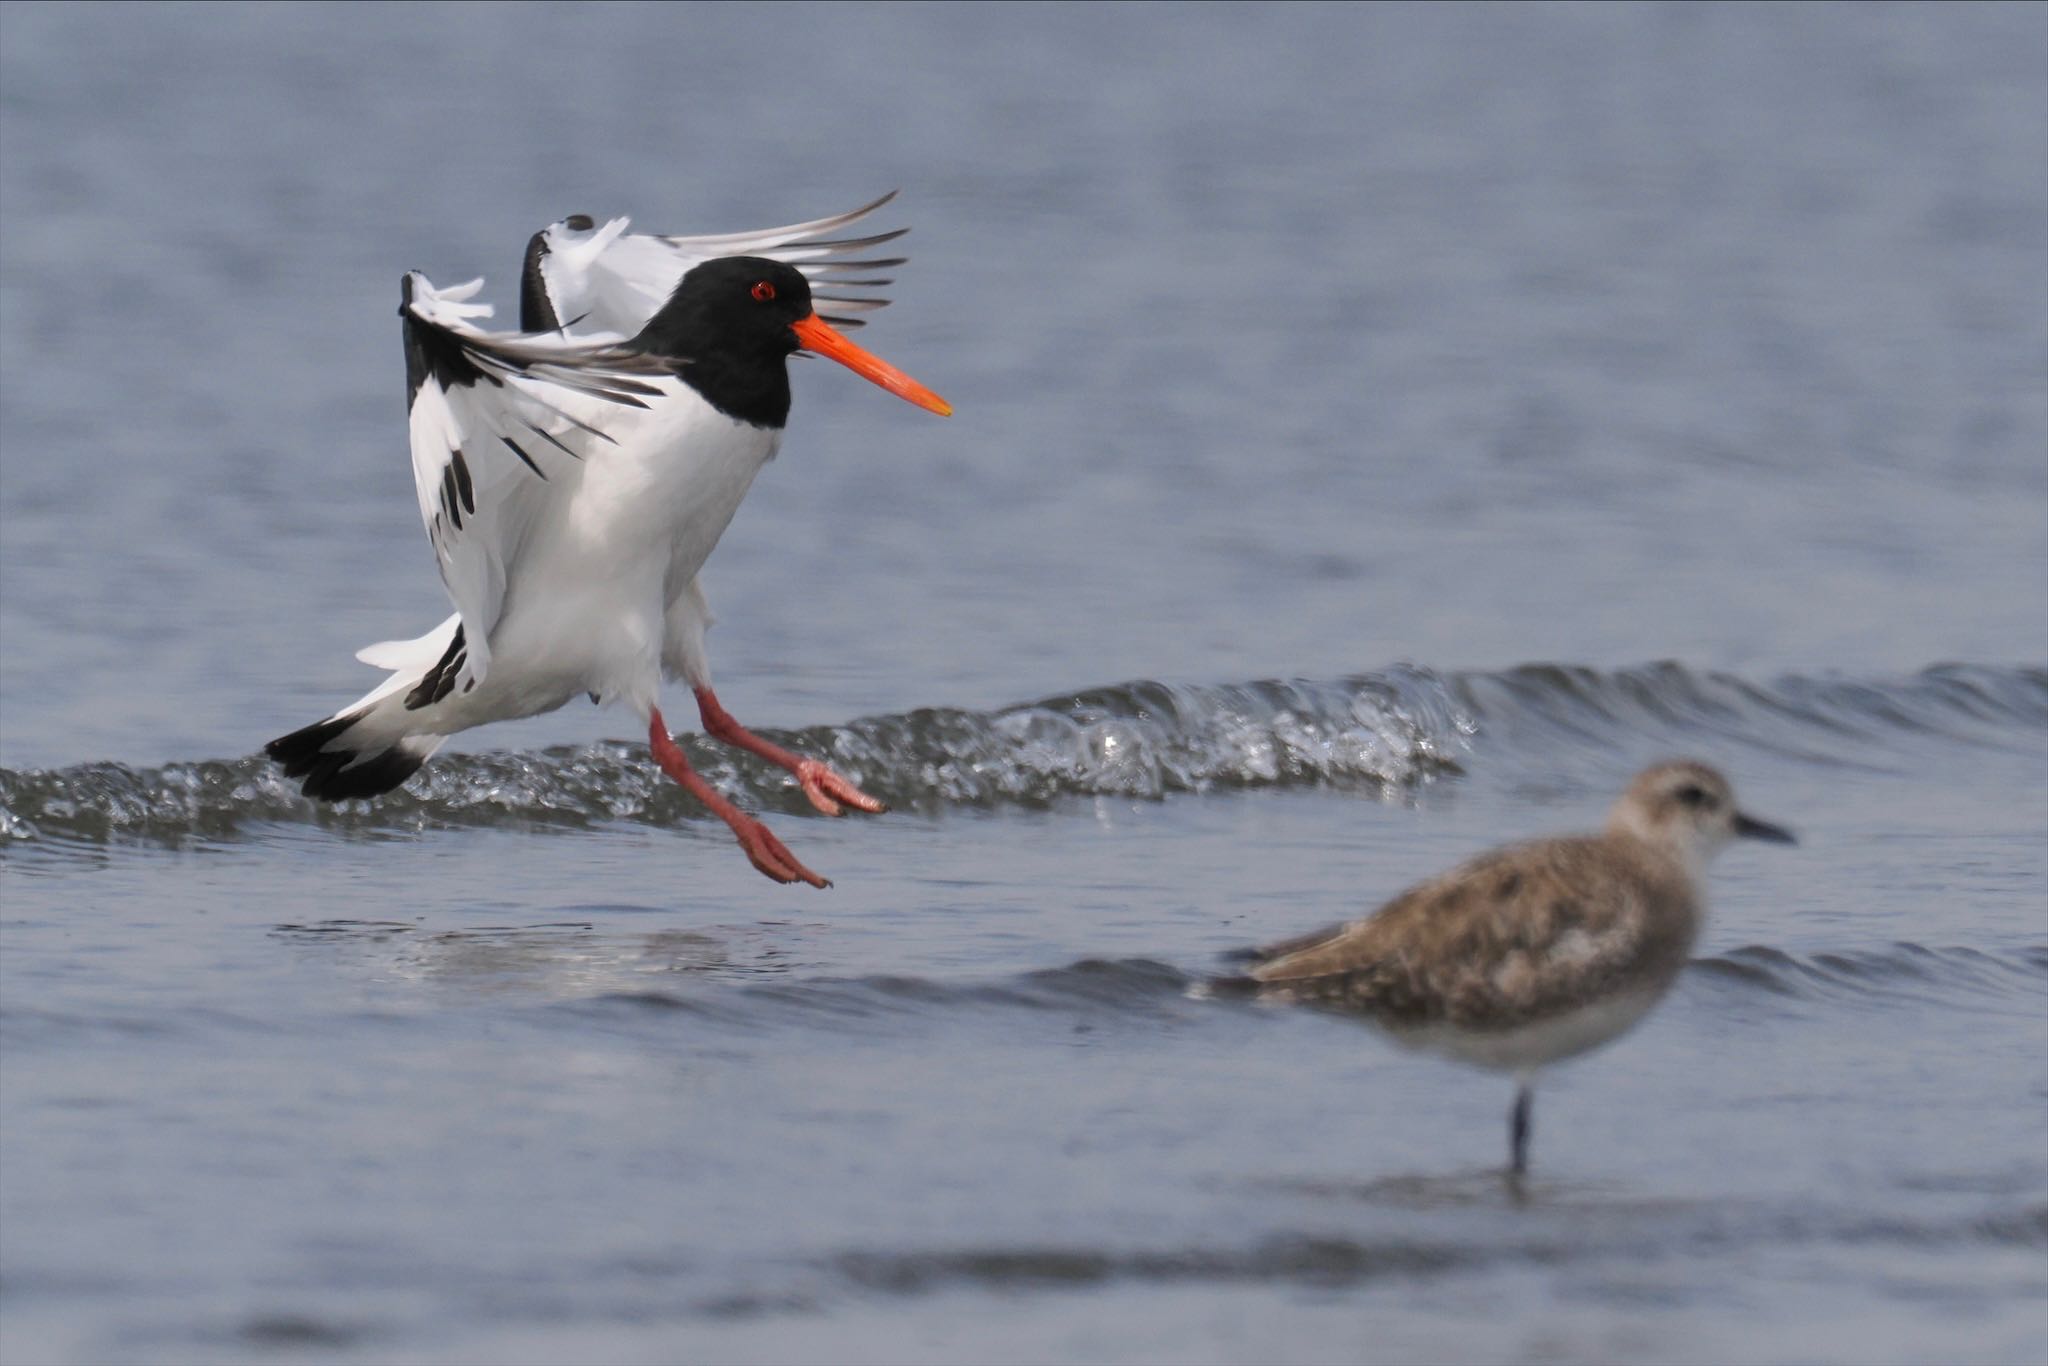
{"x":1531,"y":953}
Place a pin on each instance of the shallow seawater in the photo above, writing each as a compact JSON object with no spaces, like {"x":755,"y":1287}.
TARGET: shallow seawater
{"x":1379,"y":432}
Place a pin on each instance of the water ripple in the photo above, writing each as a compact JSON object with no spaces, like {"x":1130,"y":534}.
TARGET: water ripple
{"x":1879,"y":974}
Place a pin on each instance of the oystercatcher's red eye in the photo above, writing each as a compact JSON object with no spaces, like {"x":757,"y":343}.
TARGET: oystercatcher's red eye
{"x":762,"y":291}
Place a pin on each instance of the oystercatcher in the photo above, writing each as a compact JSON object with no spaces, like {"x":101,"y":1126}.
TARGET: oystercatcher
{"x":575,"y":475}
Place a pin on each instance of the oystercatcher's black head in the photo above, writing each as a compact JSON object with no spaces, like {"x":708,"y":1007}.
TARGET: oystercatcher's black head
{"x":732,"y":323}
{"x":742,"y":305}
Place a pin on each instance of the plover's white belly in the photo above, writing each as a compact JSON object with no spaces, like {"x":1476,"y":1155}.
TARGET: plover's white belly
{"x":1551,"y":1038}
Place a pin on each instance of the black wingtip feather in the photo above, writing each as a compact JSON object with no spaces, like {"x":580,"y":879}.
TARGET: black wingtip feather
{"x":536,"y":309}
{"x":325,"y":772}
{"x":440,"y":680}
{"x":513,"y":446}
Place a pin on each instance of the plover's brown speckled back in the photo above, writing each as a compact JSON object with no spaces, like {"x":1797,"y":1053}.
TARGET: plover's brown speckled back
{"x":1535,"y":952}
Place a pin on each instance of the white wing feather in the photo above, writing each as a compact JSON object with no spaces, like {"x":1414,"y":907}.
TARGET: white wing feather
{"x":499,"y":423}
{"x":603,"y":281}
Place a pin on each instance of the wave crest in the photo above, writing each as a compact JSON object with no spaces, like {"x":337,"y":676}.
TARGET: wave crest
{"x":1145,"y":739}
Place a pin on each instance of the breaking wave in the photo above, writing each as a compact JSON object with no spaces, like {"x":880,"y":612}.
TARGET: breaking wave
{"x":1393,"y":728}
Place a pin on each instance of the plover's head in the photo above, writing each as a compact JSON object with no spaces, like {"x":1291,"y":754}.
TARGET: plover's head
{"x":1688,"y":808}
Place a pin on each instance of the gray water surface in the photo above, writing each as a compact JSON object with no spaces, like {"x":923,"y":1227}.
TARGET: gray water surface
{"x":1379,"y":430}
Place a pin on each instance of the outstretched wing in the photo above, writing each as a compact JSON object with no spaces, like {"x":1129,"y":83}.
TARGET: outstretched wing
{"x":499,"y":424}
{"x":589,"y":278}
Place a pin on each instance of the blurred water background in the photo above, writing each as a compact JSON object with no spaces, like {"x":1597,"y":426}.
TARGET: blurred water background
{"x":1380,"y":429}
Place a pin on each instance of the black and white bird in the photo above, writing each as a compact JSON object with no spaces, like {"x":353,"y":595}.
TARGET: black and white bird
{"x":1532,"y":953}
{"x":575,"y":475}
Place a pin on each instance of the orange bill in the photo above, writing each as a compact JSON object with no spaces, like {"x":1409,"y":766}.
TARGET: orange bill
{"x":821,"y":339}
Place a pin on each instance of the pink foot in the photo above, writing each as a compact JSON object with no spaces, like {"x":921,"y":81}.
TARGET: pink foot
{"x":770,"y":855}
{"x":825,"y":789}
{"x":762,"y":849}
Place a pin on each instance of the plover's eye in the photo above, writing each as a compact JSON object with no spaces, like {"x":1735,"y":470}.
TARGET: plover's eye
{"x":1696,"y":797}
{"x":762,"y":291}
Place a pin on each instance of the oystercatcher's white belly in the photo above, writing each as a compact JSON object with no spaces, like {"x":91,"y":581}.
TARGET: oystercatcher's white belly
{"x":587,"y":588}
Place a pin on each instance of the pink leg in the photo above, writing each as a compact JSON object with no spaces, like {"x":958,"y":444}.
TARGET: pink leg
{"x":763,"y":850}
{"x":825,"y":788}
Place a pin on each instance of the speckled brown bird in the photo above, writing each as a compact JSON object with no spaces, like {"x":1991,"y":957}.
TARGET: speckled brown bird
{"x":1531,"y":953}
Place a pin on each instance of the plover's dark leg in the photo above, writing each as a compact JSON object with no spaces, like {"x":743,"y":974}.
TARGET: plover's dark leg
{"x":1518,"y":1129}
